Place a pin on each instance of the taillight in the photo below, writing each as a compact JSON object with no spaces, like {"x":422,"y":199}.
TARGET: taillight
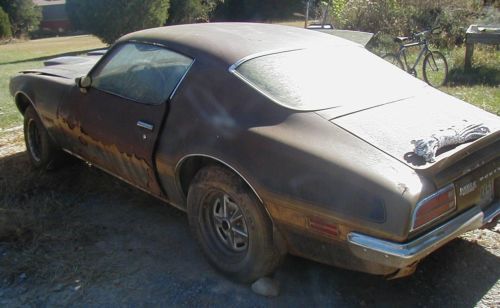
{"x":326,"y":228}
{"x":434,"y":206}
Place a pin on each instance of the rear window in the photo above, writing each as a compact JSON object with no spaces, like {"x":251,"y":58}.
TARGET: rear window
{"x":310,"y":79}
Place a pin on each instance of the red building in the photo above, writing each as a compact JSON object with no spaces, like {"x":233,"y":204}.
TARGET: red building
{"x":54,"y":17}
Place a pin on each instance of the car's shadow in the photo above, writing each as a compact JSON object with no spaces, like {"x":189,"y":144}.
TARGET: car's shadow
{"x":135,"y":250}
{"x":459,"y":274}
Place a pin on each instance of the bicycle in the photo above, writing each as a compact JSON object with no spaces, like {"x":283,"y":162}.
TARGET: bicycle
{"x":434,"y":67}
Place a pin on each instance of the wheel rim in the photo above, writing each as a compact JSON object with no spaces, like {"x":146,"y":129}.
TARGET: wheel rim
{"x":394,"y":61}
{"x":435,"y":70}
{"x":34,"y":140}
{"x":227,"y":223}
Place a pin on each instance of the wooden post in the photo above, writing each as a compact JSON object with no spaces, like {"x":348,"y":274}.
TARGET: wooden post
{"x":469,"y":52}
{"x":479,"y":34}
{"x":325,"y":13}
{"x":307,"y":13}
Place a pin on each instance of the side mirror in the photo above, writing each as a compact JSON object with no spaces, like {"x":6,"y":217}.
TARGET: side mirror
{"x":83,"y":83}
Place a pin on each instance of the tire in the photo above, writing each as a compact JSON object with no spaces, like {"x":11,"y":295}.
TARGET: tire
{"x":42,"y":151}
{"x":435,"y":69}
{"x":394,"y":59}
{"x":231,"y":226}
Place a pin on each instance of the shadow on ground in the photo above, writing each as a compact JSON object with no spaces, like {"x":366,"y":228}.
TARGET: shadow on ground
{"x":477,"y":75}
{"x":105,"y":243}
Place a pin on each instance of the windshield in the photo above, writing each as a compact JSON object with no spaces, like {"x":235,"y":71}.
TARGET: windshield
{"x":311,"y":79}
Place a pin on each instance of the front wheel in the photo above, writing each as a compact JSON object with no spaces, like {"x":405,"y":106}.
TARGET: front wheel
{"x":231,"y":225}
{"x":41,"y":150}
{"x":435,"y":69}
{"x":394,"y":59}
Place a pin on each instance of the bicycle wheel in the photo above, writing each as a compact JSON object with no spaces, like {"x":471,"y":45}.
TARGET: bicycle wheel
{"x":394,"y":59}
{"x":435,"y":69}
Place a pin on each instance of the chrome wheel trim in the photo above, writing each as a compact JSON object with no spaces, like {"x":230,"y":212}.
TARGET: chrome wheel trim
{"x":229,"y":223}
{"x":34,"y":140}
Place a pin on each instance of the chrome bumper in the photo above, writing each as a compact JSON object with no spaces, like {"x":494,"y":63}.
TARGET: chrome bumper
{"x":401,"y":255}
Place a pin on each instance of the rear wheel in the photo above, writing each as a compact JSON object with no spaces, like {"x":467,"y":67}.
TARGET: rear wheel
{"x":231,"y":226}
{"x":41,"y":150}
{"x":394,"y":59}
{"x":435,"y":69}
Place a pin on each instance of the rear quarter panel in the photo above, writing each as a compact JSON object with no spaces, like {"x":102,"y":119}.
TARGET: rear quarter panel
{"x":300,"y":165}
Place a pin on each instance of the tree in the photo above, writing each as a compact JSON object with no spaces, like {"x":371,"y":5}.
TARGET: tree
{"x":189,"y":11}
{"x":5,"y":31}
{"x":403,"y":17}
{"x":258,"y":10}
{"x":23,"y":14}
{"x":111,"y":19}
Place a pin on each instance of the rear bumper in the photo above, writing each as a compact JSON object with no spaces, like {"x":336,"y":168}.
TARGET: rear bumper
{"x":401,"y":255}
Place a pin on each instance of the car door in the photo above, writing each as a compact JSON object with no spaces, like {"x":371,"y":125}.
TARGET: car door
{"x":120,"y":116}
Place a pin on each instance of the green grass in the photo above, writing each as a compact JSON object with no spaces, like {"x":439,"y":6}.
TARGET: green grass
{"x":479,"y":86}
{"x":18,"y":56}
{"x":485,"y":97}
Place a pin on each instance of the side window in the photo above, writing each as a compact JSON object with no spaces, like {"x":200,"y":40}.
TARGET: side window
{"x":141,"y":72}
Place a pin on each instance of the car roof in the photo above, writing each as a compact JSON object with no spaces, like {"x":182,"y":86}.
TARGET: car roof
{"x":231,"y":42}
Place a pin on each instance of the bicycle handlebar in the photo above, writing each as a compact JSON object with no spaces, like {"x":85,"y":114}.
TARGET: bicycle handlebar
{"x":417,"y":36}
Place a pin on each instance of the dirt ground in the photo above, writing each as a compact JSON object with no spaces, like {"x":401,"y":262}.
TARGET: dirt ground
{"x":77,"y":236}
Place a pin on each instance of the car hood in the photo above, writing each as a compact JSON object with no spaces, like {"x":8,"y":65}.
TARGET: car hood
{"x":392,"y":126}
{"x":66,"y":67}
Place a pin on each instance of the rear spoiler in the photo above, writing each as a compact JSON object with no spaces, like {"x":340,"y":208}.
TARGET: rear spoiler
{"x":359,"y":37}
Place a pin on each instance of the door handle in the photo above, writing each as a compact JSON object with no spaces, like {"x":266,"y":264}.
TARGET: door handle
{"x":145,"y":125}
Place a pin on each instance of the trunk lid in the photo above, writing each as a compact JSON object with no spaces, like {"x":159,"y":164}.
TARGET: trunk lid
{"x":391,"y":128}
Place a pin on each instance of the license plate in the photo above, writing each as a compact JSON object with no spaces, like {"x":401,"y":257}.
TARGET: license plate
{"x":486,"y":193}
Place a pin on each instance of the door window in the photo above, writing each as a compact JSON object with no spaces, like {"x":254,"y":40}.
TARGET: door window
{"x":141,"y":72}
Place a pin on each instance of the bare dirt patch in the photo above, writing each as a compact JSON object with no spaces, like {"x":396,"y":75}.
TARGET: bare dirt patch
{"x":11,"y":141}
{"x":80,"y":237}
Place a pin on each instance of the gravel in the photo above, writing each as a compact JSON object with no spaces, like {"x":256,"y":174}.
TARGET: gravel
{"x":114,"y":245}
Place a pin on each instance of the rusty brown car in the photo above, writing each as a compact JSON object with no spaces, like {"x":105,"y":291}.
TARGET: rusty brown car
{"x":274,"y":140}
